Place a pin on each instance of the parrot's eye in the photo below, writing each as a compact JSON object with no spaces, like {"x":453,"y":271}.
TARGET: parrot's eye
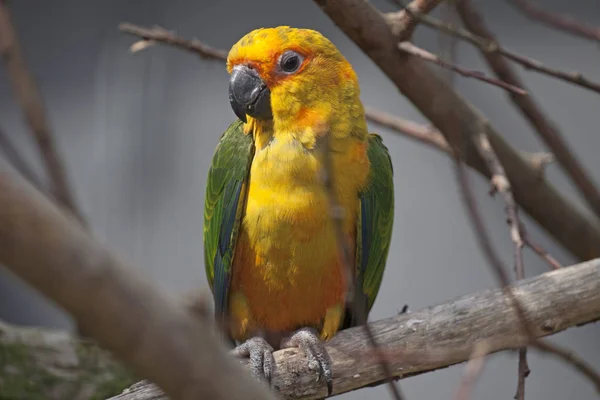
{"x":290,"y":61}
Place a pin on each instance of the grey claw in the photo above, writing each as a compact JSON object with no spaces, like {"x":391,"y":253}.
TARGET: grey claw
{"x":307,"y":339}
{"x":262,"y":363}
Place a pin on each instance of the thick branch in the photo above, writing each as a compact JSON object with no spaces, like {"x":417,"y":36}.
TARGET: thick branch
{"x":30,"y":99}
{"x":532,"y":112}
{"x":458,"y":120}
{"x":441,"y":335}
{"x":110,"y":301}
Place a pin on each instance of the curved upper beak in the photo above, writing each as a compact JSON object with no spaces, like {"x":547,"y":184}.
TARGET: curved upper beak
{"x":248,"y":94}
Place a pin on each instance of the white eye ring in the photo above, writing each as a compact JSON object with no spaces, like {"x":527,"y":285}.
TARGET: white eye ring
{"x":290,"y":62}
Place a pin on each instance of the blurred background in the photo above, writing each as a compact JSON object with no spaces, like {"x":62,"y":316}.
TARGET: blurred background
{"x":137,"y":132}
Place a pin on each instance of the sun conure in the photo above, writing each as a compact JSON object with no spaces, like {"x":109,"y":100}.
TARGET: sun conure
{"x":271,"y":250}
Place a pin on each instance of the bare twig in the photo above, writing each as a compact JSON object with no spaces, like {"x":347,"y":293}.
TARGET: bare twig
{"x":111,"y":301}
{"x":337,"y":214}
{"x":422,"y":133}
{"x":558,"y":21}
{"x":490,"y":46}
{"x":532,"y":112}
{"x":30,"y":99}
{"x":161,"y":35}
{"x":473,"y":370}
{"x":415,"y":51}
{"x":539,"y":250}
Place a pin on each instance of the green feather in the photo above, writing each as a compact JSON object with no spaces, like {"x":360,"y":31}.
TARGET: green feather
{"x":374,"y":226}
{"x":223,"y":205}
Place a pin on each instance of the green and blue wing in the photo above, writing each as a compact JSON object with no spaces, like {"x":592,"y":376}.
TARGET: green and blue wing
{"x":374,"y":226}
{"x":223,"y":206}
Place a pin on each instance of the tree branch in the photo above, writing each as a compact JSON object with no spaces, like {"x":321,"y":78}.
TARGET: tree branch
{"x":564,"y":23}
{"x":439,"y":336}
{"x":30,"y":99}
{"x":548,"y":132}
{"x":127,"y":315}
{"x":457,"y":120}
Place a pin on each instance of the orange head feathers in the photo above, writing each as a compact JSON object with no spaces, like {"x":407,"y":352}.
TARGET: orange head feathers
{"x":295,"y":77}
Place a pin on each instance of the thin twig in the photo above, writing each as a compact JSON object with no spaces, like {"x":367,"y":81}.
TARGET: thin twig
{"x":540,"y":251}
{"x":558,"y":21}
{"x":15,"y":158}
{"x":473,"y":370}
{"x":337,"y":214}
{"x":532,"y":112}
{"x":426,"y":134}
{"x":30,"y":99}
{"x":160,"y":35}
{"x":415,"y":51}
{"x":490,"y":46}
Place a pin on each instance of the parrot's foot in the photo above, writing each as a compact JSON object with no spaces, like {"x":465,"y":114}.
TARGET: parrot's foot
{"x":307,"y":339}
{"x":262,"y":363}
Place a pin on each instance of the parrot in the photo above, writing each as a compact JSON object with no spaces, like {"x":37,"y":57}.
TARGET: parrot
{"x":272,"y":255}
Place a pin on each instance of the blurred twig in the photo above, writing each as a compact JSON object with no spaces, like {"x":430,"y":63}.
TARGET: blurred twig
{"x":558,"y":21}
{"x":473,"y":370}
{"x":415,"y":51}
{"x":15,"y":158}
{"x":337,"y":214}
{"x":490,"y":46}
{"x":532,"y":112}
{"x":30,"y":99}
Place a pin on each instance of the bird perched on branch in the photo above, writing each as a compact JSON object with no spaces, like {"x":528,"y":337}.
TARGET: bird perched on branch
{"x":279,"y":276}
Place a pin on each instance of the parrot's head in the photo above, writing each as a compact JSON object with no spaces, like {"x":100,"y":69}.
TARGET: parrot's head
{"x":293,"y":78}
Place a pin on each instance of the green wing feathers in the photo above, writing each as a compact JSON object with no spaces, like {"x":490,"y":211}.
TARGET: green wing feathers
{"x":376,"y":219}
{"x":225,"y":195}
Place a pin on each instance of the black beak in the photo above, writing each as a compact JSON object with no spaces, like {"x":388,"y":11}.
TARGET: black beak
{"x":248,"y":94}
